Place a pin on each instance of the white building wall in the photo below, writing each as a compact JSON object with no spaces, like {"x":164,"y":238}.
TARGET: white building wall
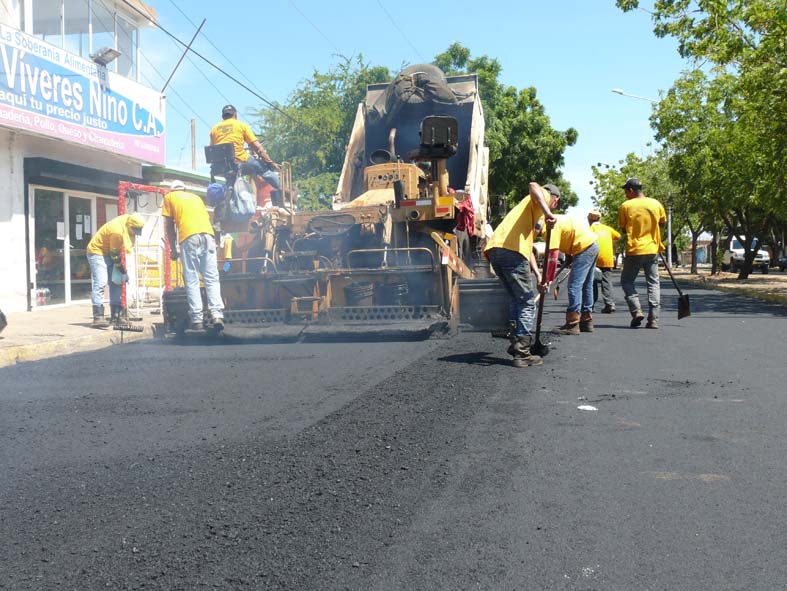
{"x":14,"y":148}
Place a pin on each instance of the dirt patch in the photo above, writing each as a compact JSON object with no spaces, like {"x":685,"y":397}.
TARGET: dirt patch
{"x":769,"y":288}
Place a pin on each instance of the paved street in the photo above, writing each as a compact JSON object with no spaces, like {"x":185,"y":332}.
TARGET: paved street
{"x":428,"y":465}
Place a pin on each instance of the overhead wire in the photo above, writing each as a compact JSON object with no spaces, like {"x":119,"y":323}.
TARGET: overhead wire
{"x":393,"y":22}
{"x":272,"y":105}
{"x":316,"y":28}
{"x":221,"y":53}
{"x":154,"y":68}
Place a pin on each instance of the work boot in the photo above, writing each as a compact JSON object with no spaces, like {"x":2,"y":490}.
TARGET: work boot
{"x":653,"y":320}
{"x":522,"y":355}
{"x":99,"y":321}
{"x":115,"y":313}
{"x":608,"y":309}
{"x":571,"y":326}
{"x":586,"y":322}
{"x":197,"y":326}
{"x":217,"y":323}
{"x":636,"y":311}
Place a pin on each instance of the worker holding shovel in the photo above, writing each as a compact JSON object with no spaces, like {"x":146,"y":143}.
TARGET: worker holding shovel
{"x":575,"y":239}
{"x":510,"y":253}
{"x":641,"y":219}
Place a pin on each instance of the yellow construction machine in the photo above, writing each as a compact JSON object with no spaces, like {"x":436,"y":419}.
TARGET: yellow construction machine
{"x":383,"y":262}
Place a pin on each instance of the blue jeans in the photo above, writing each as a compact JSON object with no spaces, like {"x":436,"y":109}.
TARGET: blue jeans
{"x":198,"y":256}
{"x":101,"y":267}
{"x":514,"y":272}
{"x":631,"y":266}
{"x":580,"y":280}
{"x":252,"y":166}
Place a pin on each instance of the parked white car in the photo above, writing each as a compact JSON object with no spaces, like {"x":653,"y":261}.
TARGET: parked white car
{"x":732,"y":259}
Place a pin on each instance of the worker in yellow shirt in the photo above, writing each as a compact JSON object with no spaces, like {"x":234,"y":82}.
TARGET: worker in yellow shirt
{"x":606,"y":258}
{"x":190,"y":236}
{"x":575,"y":239}
{"x":231,"y":131}
{"x":510,"y":254}
{"x":640,"y":218}
{"x":103,"y":256}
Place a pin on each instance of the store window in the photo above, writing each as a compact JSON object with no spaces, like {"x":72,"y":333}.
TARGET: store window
{"x":47,"y":21}
{"x":127,"y":46}
{"x":76,"y":18}
{"x":50,"y":235}
{"x":67,"y":24}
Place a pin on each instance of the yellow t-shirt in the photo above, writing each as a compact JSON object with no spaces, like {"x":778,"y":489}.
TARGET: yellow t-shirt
{"x":606,"y":254}
{"x":571,"y":236}
{"x":232,"y":131}
{"x":189,"y":213}
{"x":517,"y":230}
{"x":640,"y":218}
{"x":111,"y":237}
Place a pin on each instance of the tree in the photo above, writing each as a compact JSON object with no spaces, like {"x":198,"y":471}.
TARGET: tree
{"x":312,"y":130}
{"x":523,"y":146}
{"x":737,"y":92}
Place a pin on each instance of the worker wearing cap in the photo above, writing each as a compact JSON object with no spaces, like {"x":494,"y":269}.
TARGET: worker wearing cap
{"x":640,"y":218}
{"x":188,"y":227}
{"x":606,"y":258}
{"x":232,"y":131}
{"x":574,"y":238}
{"x":104,"y":257}
{"x":510,"y":253}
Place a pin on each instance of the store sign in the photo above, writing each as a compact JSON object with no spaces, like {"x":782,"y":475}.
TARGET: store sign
{"x":47,"y":90}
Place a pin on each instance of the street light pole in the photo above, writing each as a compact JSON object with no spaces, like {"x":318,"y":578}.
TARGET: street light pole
{"x":636,"y":96}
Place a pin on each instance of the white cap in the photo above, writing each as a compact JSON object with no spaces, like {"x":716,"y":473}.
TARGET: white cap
{"x":177,"y":186}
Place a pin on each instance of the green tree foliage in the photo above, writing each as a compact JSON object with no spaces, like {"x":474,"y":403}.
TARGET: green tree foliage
{"x":312,"y":130}
{"x":726,"y":121}
{"x":523,"y":146}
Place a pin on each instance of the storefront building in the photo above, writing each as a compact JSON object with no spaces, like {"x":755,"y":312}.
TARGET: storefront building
{"x":73,"y":123}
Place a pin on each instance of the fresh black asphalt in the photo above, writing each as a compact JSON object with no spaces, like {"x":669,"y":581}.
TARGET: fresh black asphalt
{"x":409,"y":465}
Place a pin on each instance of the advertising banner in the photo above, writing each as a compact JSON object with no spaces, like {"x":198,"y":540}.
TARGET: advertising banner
{"x":47,"y":90}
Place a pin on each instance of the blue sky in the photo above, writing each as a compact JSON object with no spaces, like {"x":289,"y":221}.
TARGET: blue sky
{"x":573,"y":51}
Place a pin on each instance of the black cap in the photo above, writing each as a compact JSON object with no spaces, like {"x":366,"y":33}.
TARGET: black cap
{"x":228,"y":110}
{"x":632,"y":183}
{"x":553,"y":190}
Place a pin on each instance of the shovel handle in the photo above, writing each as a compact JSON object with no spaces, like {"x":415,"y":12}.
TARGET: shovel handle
{"x":671,"y":276}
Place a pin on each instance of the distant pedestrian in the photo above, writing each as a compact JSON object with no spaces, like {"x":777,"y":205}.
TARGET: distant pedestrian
{"x":106,"y":263}
{"x":574,"y":238}
{"x":640,"y":218}
{"x":606,"y":258}
{"x":510,"y":253}
{"x":188,"y":226}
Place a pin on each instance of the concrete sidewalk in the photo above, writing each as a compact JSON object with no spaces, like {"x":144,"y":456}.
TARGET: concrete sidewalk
{"x":52,"y":332}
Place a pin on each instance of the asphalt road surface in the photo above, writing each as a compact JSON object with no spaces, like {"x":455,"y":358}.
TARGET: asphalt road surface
{"x":407,"y":466}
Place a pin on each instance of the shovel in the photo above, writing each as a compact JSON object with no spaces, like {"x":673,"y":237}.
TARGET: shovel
{"x":539,"y":348}
{"x":683,"y":300}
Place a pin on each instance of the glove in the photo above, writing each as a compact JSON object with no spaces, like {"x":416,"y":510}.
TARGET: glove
{"x":173,"y":254}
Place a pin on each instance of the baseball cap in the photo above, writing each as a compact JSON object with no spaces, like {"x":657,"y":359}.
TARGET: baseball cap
{"x":553,"y":190}
{"x":135,"y":222}
{"x":177,"y":186}
{"x":632,"y":183}
{"x":228,"y":110}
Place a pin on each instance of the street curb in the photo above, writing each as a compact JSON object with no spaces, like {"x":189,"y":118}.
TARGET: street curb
{"x":67,"y":346}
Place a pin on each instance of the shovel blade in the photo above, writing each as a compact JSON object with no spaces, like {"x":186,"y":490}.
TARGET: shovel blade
{"x":684,"y":309}
{"x":539,"y":348}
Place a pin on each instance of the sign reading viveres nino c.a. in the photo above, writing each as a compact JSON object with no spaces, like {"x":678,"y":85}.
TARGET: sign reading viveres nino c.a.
{"x":47,"y":90}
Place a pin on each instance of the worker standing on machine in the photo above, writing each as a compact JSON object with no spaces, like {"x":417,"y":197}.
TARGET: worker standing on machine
{"x":232,"y":131}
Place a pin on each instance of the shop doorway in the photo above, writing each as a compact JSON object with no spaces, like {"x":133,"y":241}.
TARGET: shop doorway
{"x":63,"y":227}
